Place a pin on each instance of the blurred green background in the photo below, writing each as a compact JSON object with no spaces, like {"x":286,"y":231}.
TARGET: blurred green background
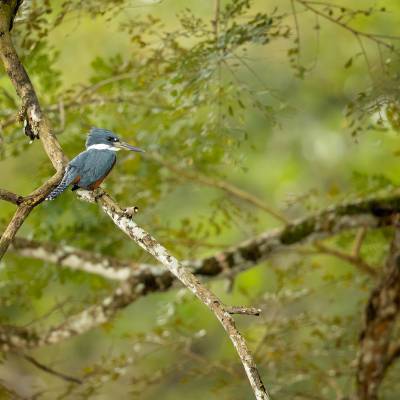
{"x":261,"y":110}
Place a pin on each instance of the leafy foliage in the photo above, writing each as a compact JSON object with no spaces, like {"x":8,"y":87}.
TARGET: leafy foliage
{"x":199,"y":92}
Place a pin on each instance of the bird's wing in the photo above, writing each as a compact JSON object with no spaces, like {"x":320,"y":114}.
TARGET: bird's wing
{"x":80,"y":161}
{"x":93,"y":165}
{"x":85,"y":169}
{"x":70,"y":175}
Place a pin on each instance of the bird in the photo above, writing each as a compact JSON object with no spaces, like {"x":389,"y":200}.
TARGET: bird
{"x":89,"y":168}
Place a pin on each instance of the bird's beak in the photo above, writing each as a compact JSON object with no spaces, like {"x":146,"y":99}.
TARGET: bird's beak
{"x":126,"y":146}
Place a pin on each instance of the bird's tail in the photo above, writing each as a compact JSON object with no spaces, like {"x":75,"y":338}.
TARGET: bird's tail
{"x":67,"y":179}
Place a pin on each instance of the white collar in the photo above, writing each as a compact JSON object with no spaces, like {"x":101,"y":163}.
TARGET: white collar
{"x":103,"y":147}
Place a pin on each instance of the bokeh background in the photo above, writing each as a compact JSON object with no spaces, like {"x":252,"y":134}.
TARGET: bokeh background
{"x":275,"y":115}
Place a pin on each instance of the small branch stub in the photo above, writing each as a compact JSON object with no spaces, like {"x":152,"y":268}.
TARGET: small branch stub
{"x":130,"y":212}
{"x":243,"y":310}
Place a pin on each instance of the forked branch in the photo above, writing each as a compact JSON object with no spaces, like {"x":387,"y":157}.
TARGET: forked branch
{"x":37,"y":124}
{"x":160,"y":253}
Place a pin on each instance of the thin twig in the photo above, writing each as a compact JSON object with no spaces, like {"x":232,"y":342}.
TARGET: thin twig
{"x":296,"y":23}
{"x":358,"y":241}
{"x":51,"y":371}
{"x":356,"y":261}
{"x":68,"y":104}
{"x":374,"y":37}
{"x":13,"y":395}
{"x":219,"y":184}
{"x":61,"y":109}
{"x":215,"y":20}
{"x":116,"y":78}
{"x":365,"y":55}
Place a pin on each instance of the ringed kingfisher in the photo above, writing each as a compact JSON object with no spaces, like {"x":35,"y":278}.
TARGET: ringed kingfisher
{"x":89,"y":168}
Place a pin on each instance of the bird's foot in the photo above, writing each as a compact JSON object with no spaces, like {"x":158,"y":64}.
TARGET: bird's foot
{"x":98,"y":193}
{"x":130,"y":212}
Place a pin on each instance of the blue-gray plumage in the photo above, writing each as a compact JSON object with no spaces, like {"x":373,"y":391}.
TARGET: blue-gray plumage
{"x":89,"y":168}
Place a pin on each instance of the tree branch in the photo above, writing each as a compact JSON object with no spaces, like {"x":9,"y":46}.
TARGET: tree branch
{"x":10,"y":197}
{"x":37,"y":123}
{"x":26,"y":206}
{"x":76,"y":259}
{"x":30,"y":104}
{"x":17,"y":339}
{"x":393,"y":353}
{"x":380,"y":316}
{"x":372,"y":213}
{"x":160,"y":253}
{"x":16,"y":222}
{"x":10,"y":9}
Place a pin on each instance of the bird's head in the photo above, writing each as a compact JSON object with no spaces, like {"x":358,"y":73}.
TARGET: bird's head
{"x":104,"y":139}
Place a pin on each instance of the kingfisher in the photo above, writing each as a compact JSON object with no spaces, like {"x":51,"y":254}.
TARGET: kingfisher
{"x":89,"y":168}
